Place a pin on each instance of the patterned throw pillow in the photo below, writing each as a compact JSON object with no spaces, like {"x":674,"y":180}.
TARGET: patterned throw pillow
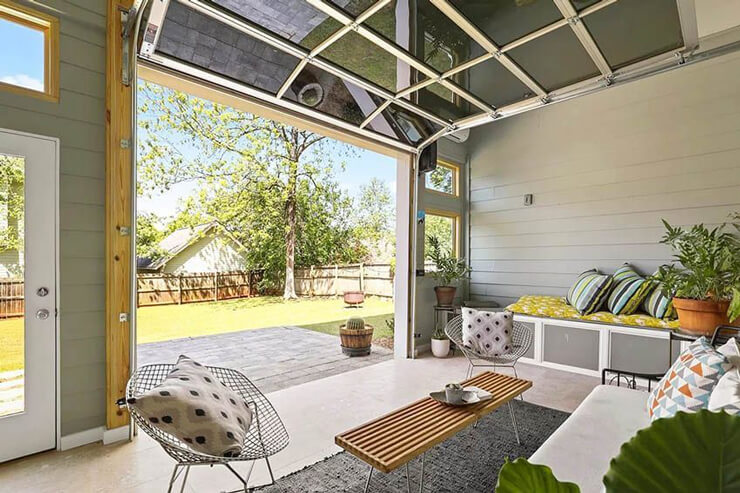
{"x":690,"y":381}
{"x":487,"y":333}
{"x":726,"y":395}
{"x":630,"y":289}
{"x":589,"y":291}
{"x":194,"y":406}
{"x":659,"y":305}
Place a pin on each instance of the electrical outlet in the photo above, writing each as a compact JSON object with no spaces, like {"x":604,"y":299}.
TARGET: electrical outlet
{"x":528,"y":199}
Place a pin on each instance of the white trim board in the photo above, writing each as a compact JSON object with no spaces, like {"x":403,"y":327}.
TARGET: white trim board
{"x":99,"y":434}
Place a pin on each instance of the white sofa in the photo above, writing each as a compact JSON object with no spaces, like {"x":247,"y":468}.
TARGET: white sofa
{"x":581,"y":449}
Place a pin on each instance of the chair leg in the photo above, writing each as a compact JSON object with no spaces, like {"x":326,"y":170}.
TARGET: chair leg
{"x":513,"y":423}
{"x":513,"y":367}
{"x":369,"y":476}
{"x":244,"y":481}
{"x":269,"y":469}
{"x":173,"y":478}
{"x":185,"y":479}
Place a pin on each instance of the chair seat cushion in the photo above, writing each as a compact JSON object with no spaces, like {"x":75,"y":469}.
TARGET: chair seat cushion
{"x":192,"y":405}
{"x":487,"y":333}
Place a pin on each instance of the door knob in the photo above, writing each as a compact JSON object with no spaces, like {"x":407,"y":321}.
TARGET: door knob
{"x":42,"y":291}
{"x":42,"y":314}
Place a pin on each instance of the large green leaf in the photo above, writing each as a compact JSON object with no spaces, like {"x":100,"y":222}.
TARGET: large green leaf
{"x":687,"y":453}
{"x":522,"y":477}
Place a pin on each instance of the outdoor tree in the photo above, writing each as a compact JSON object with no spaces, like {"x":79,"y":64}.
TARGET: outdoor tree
{"x":148,"y":236}
{"x":375,"y":215}
{"x":269,"y":184}
{"x":11,"y":205}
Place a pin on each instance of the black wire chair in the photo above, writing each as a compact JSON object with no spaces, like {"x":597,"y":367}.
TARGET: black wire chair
{"x":266,"y":436}
{"x":521,"y":340}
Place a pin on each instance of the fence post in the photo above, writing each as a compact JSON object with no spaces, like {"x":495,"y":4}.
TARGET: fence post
{"x":336,"y":280}
{"x":215,"y":286}
{"x":362,"y":275}
{"x":311,"y":282}
{"x":179,"y":289}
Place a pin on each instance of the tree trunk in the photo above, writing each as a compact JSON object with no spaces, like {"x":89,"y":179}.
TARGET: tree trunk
{"x":290,"y":236}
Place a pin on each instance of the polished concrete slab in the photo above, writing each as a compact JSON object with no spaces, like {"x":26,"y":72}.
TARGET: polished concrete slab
{"x":313,"y":412}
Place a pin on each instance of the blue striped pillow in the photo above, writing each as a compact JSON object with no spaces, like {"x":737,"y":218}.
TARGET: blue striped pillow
{"x":589,"y":291}
{"x":630,"y":289}
{"x":659,"y":305}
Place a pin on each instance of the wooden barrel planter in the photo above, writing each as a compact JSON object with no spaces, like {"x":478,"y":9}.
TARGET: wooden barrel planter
{"x":356,"y":342}
{"x":354,"y":298}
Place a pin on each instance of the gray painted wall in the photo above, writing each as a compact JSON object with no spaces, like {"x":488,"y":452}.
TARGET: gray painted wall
{"x":78,"y":120}
{"x":604,"y":169}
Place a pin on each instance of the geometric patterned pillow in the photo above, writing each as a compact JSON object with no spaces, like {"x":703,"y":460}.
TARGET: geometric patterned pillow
{"x":487,"y":333}
{"x":194,"y":406}
{"x":589,"y":291}
{"x":690,"y":381}
{"x":629,"y":290}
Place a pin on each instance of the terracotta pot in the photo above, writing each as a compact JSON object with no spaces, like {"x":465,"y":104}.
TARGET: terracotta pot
{"x":354,"y":298}
{"x":445,"y":295}
{"x":440,"y":347}
{"x":356,"y":342}
{"x":701,"y":316}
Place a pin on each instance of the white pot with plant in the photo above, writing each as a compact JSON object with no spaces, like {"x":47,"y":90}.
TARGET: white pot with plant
{"x":440,"y":343}
{"x":448,"y":271}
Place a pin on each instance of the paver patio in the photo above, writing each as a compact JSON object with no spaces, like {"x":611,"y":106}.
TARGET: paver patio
{"x":273,"y":358}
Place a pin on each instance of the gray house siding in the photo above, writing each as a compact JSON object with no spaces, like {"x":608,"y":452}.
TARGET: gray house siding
{"x":604,"y":169}
{"x":78,"y":120}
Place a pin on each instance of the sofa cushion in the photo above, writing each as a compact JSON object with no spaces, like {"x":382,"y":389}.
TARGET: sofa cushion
{"x":629,"y":291}
{"x":581,"y":449}
{"x":689,"y":382}
{"x":192,"y":405}
{"x":589,"y":291}
{"x":487,"y":333}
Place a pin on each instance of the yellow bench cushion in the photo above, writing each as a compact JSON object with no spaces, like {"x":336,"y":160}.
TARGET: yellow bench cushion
{"x":556,"y":307}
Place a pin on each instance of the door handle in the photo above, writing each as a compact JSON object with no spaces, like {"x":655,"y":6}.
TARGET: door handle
{"x":42,"y":291}
{"x":42,"y":314}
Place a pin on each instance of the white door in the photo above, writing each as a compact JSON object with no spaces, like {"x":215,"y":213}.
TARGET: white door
{"x":28,"y":329}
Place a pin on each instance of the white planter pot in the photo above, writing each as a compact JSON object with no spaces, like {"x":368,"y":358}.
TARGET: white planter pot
{"x":440,"y":347}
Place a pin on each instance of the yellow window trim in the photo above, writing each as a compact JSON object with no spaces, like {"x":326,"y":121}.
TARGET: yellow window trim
{"x":455,"y":226}
{"x":455,"y":168}
{"x":49,"y":26}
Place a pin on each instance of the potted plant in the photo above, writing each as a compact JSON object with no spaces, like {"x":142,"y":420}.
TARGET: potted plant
{"x":440,"y":343}
{"x":448,"y":270}
{"x":356,"y":337}
{"x":705,"y":279}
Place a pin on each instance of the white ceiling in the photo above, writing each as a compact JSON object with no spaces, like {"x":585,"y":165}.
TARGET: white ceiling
{"x":713,"y":16}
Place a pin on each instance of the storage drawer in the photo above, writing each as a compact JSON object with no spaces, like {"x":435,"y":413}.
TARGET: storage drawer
{"x":572,"y":347}
{"x":640,"y":354}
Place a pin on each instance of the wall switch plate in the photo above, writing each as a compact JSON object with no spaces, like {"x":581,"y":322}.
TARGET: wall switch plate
{"x":528,"y":199}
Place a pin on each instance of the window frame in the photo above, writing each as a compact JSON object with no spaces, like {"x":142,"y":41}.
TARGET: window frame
{"x":49,"y":26}
{"x":455,"y":227}
{"x":455,"y":168}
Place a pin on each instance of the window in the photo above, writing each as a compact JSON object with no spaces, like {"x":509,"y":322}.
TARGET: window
{"x":31,"y":67}
{"x":444,"y":226}
{"x":444,"y":179}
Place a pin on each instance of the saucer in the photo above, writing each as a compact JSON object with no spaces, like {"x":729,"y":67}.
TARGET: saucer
{"x":471,"y":395}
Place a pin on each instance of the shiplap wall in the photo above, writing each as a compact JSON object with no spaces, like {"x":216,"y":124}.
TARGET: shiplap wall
{"x":78,"y":120}
{"x":604,"y":169}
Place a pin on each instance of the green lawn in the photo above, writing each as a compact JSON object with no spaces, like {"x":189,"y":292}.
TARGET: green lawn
{"x":11,"y":344}
{"x":161,"y":323}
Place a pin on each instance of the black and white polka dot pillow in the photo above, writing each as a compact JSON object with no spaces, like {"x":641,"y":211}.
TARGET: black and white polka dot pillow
{"x":194,"y":406}
{"x":487,"y":333}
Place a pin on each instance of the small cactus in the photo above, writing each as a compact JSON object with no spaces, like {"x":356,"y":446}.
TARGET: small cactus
{"x":355,"y":323}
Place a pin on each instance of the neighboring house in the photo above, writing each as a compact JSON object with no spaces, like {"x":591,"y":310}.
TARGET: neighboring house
{"x":204,"y":248}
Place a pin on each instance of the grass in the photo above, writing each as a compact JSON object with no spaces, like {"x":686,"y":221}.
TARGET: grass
{"x":11,"y":344}
{"x":162,"y":323}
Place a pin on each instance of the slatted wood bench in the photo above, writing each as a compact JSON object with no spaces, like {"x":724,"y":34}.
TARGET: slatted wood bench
{"x":393,"y":440}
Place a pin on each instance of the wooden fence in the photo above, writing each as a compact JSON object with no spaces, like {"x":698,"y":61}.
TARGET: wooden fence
{"x":333,"y":280}
{"x":11,"y":298}
{"x":178,"y":289}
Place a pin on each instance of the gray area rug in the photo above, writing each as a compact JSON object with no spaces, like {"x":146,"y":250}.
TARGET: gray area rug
{"x":468,"y":462}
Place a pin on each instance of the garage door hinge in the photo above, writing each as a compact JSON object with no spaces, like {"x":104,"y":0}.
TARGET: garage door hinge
{"x":125,"y":143}
{"x":124,"y":317}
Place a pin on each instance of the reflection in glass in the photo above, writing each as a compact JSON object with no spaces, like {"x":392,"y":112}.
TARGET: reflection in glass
{"x":555,"y":60}
{"x":441,"y":227}
{"x":12,"y":174}
{"x":442,"y":179}
{"x":209,"y":44}
{"x":409,"y":126}
{"x":442,"y":102}
{"x":654,"y":27}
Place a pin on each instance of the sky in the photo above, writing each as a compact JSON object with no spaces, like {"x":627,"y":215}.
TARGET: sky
{"x":22,"y":67}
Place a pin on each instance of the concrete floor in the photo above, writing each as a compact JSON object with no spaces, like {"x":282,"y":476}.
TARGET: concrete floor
{"x":274,"y":358}
{"x":313,"y":412}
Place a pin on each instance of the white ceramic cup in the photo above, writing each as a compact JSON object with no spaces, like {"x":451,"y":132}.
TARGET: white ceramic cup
{"x":454,"y":392}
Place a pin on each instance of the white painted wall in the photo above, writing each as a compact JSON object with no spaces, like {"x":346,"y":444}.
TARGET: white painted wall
{"x":209,"y":254}
{"x":604,"y":169}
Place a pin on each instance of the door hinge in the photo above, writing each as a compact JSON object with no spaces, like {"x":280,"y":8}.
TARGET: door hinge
{"x":124,"y":230}
{"x":125,"y":143}
{"x":124,"y":317}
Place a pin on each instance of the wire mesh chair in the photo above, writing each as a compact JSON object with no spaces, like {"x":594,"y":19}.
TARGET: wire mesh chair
{"x":266,"y":436}
{"x":521,"y":339}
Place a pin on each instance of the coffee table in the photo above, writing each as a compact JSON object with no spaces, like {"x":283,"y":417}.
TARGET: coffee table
{"x":391,"y":441}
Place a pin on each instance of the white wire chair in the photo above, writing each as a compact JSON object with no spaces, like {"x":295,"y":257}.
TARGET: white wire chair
{"x":521,"y":339}
{"x":266,"y":436}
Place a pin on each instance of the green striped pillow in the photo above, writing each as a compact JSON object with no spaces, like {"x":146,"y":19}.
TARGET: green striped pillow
{"x":630,"y":289}
{"x":659,"y":305}
{"x":589,"y":291}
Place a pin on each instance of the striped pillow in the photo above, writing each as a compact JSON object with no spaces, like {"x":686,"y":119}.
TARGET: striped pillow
{"x":659,"y":305}
{"x":630,"y":289}
{"x":589,"y":291}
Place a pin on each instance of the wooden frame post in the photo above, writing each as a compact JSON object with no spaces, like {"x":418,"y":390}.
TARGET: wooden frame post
{"x":118,"y":219}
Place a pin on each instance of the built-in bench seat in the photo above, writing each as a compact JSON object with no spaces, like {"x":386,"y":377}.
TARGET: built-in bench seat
{"x":566,"y":340}
{"x":557,"y":307}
